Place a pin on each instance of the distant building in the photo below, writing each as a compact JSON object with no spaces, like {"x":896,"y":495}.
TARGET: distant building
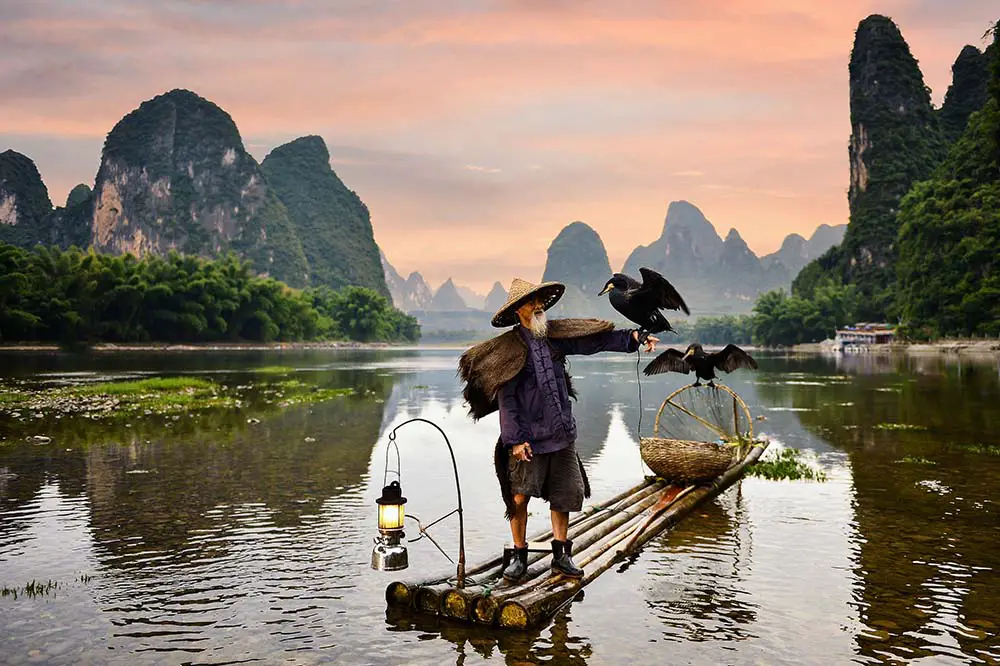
{"x":864,"y":335}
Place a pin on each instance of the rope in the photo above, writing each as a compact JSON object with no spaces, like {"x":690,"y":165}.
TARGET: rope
{"x":638,"y":383}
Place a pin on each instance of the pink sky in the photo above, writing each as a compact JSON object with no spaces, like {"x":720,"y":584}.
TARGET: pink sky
{"x":475,"y":131}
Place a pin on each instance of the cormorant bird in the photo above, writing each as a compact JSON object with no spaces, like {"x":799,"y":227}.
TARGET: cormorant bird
{"x":704,"y":365}
{"x":642,"y":302}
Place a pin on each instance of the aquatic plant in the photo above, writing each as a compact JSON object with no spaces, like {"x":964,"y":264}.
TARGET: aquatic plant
{"x":32,"y":589}
{"x":987,"y":449}
{"x":785,"y":464}
{"x":274,"y":370}
{"x":126,"y":400}
{"x":139,"y":387}
{"x":916,"y":460}
{"x":899,"y":426}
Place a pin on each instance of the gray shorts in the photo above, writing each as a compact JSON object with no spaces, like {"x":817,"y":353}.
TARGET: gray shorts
{"x":555,"y":476}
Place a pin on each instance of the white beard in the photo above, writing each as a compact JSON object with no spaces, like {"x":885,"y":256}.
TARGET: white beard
{"x":539,"y":325}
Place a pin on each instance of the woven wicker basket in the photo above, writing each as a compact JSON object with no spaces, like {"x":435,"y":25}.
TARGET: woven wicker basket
{"x":686,"y":461}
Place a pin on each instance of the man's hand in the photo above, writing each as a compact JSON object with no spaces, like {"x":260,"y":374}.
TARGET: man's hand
{"x":522,"y":451}
{"x":650,"y":341}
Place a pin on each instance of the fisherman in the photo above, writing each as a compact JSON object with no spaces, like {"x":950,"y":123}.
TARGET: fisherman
{"x":522,"y":374}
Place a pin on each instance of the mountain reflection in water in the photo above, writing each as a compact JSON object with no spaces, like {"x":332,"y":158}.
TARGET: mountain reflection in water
{"x":245,"y":534}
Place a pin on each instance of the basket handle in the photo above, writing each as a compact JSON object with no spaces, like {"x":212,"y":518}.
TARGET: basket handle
{"x":738,"y":405}
{"x":656,"y":423}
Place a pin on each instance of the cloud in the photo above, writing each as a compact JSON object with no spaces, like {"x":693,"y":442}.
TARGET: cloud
{"x":594,"y":110}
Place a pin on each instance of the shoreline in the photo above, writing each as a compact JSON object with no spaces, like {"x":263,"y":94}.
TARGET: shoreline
{"x":110,"y":347}
{"x":976,"y":347}
{"x":954,"y":346}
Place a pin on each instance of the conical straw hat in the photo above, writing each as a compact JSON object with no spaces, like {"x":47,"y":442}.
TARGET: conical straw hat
{"x":520,"y":292}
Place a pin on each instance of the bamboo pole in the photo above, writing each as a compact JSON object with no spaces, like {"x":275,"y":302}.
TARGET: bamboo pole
{"x":403,"y":593}
{"x":558,"y":588}
{"x":459,"y":604}
{"x":484,"y":608}
{"x":528,"y":609}
{"x":487,"y":603}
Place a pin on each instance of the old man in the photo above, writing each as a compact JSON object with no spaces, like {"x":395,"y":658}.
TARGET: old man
{"x":522,"y":374}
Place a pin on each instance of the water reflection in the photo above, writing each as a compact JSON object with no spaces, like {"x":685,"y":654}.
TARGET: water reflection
{"x":554,"y":644}
{"x":216,"y":539}
{"x":699,"y":569}
{"x":926,"y":520}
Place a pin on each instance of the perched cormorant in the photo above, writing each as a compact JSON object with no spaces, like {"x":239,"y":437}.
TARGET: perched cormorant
{"x":642,"y":302}
{"x":704,"y":365}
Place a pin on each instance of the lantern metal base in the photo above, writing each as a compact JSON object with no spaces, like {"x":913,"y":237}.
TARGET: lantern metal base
{"x":389,"y":554}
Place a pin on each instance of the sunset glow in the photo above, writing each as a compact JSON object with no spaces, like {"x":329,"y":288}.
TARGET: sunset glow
{"x":474,"y":131}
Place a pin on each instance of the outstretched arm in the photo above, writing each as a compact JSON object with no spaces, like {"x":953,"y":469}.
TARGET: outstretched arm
{"x":618,"y":341}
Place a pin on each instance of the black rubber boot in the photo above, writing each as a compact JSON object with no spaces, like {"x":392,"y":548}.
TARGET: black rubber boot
{"x":518,"y":566}
{"x":562,"y":560}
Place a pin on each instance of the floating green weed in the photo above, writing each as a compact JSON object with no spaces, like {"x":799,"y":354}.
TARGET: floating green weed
{"x":274,"y":370}
{"x":786,"y":464}
{"x":986,"y":449}
{"x":915,"y":460}
{"x":139,"y":387}
{"x":899,"y":426}
{"x":123,"y":399}
{"x":11,"y":398}
{"x":128,"y":400}
{"x":317,"y":395}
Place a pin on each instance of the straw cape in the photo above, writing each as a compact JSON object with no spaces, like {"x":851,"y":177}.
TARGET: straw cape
{"x":489,"y":365}
{"x":520,"y":292}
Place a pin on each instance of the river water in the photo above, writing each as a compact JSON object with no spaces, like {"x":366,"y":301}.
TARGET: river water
{"x":244,"y":535}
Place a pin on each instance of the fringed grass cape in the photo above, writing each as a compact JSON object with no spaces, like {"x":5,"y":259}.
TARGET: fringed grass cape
{"x":487,"y":366}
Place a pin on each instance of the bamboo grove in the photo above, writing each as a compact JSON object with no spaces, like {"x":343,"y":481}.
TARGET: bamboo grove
{"x":77,"y":297}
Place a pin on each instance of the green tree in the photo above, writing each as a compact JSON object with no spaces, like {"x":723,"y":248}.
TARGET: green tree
{"x":949,"y":239}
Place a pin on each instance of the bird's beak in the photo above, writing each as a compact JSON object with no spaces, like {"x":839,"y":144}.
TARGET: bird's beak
{"x":688,"y":354}
{"x":606,"y":289}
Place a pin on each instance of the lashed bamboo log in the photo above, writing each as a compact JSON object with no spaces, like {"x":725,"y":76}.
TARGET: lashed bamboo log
{"x":484,"y":601}
{"x":403,"y":593}
{"x":459,"y":603}
{"x":484,"y":608}
{"x":529,"y":608}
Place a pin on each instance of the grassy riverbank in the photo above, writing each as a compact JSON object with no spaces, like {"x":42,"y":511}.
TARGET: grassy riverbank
{"x":120,"y":400}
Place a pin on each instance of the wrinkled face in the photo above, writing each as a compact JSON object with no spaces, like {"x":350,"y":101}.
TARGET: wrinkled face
{"x":532,"y":316}
{"x":529,"y":308}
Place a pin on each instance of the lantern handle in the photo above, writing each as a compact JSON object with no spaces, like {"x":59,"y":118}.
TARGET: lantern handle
{"x":392,"y":444}
{"x":458,"y":488}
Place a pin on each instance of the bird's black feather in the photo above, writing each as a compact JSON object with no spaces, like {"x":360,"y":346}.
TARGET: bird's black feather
{"x":662,"y":294}
{"x":732,"y":358}
{"x":641,"y":302}
{"x":704,"y":365}
{"x":670,"y":360}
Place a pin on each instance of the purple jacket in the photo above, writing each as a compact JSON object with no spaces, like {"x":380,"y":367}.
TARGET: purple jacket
{"x":534,"y":405}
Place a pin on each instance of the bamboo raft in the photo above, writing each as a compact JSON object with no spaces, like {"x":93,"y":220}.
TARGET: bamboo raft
{"x":602,"y":535}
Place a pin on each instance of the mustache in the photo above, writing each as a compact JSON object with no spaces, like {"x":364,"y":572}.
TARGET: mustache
{"x":539,"y":324}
